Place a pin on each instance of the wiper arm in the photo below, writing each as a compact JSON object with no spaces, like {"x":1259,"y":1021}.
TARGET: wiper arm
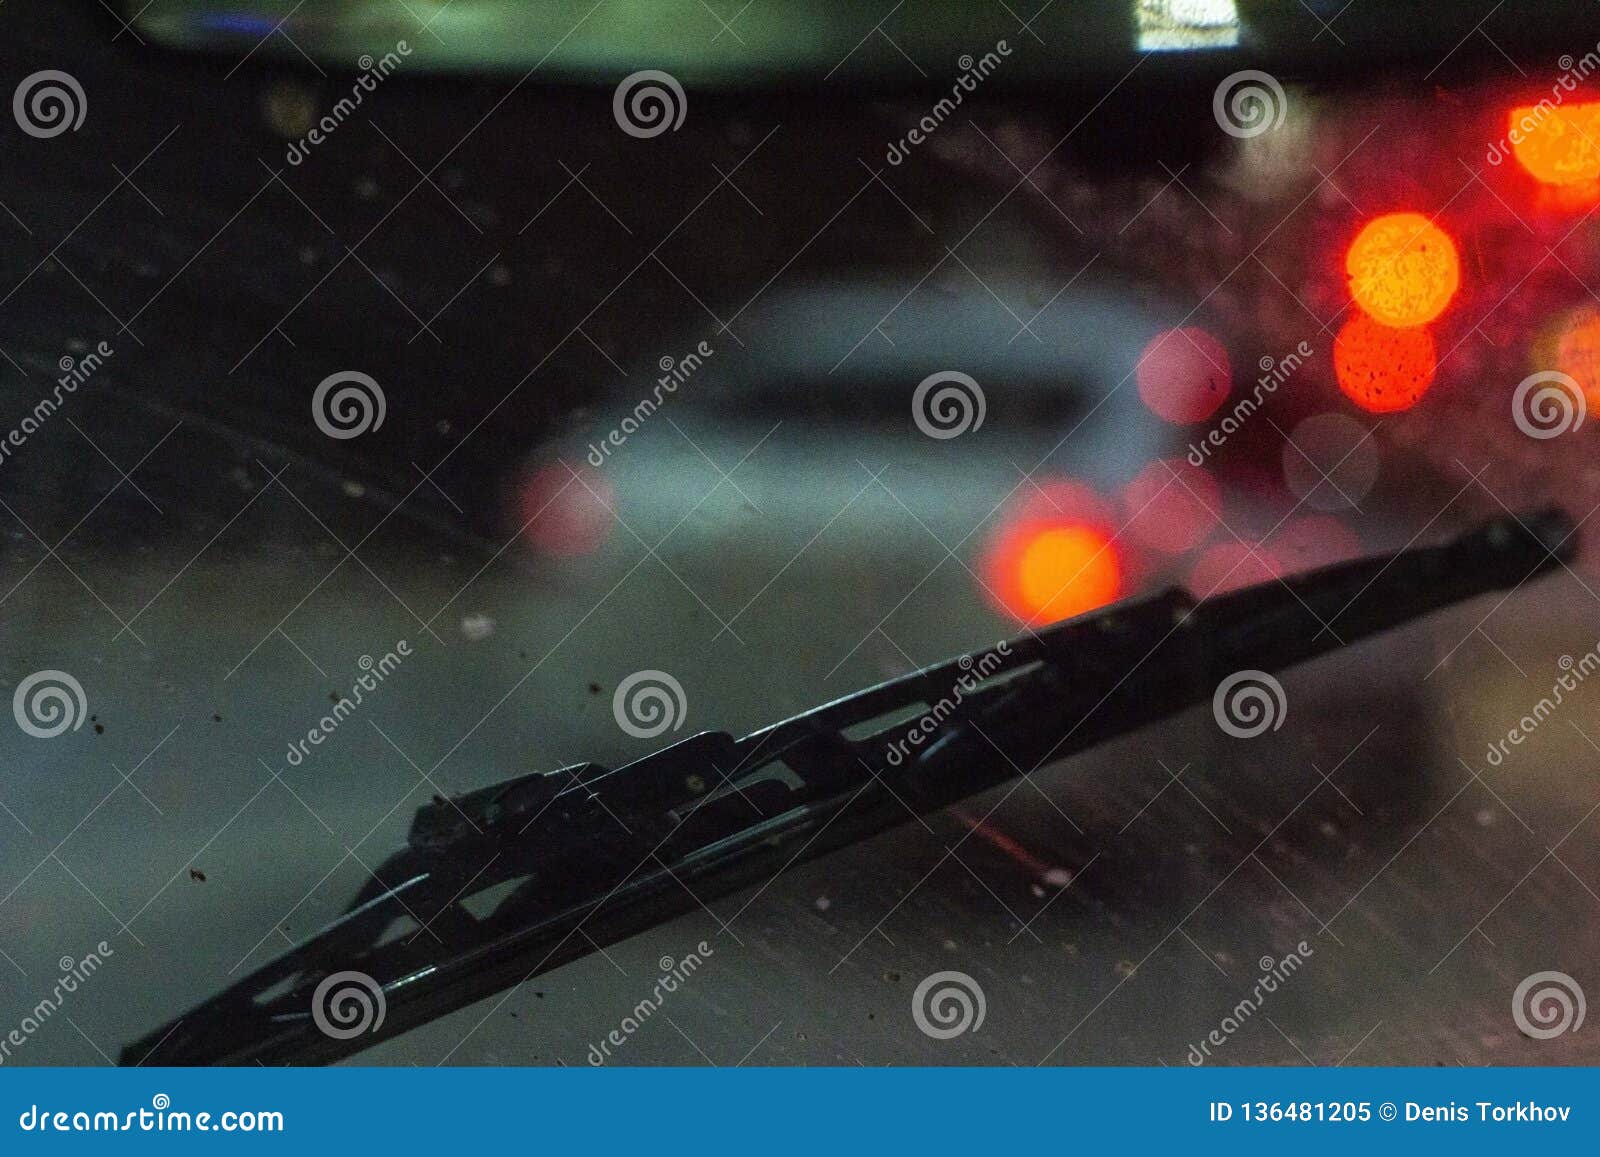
{"x":592,"y":856}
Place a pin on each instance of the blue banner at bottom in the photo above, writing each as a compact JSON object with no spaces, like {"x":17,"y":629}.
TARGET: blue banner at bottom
{"x":734,"y":1113}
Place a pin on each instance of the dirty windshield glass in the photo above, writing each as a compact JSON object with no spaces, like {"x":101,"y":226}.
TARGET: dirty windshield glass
{"x":403,"y":399}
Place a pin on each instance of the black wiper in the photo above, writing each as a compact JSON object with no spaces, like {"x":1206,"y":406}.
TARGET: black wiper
{"x":590,"y":856}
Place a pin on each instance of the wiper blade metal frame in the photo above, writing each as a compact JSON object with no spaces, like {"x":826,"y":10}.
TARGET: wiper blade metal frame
{"x":613,"y":853}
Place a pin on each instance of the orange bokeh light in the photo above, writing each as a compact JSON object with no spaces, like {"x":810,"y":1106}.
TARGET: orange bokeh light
{"x":1578,"y":352}
{"x":1557,"y":146}
{"x":1055,"y":556}
{"x":1184,"y":375}
{"x":1403,"y":269}
{"x":1065,"y":571}
{"x":1383,"y":369}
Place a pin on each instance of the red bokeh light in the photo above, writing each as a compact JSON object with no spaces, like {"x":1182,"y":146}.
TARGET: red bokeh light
{"x":1171,"y":506}
{"x":1382,"y":369}
{"x":1230,"y":565}
{"x":1314,"y":541}
{"x":566,"y":511}
{"x":1184,"y":375}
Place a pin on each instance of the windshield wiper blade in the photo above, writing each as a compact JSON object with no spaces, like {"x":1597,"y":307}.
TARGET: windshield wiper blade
{"x":591,"y":856}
